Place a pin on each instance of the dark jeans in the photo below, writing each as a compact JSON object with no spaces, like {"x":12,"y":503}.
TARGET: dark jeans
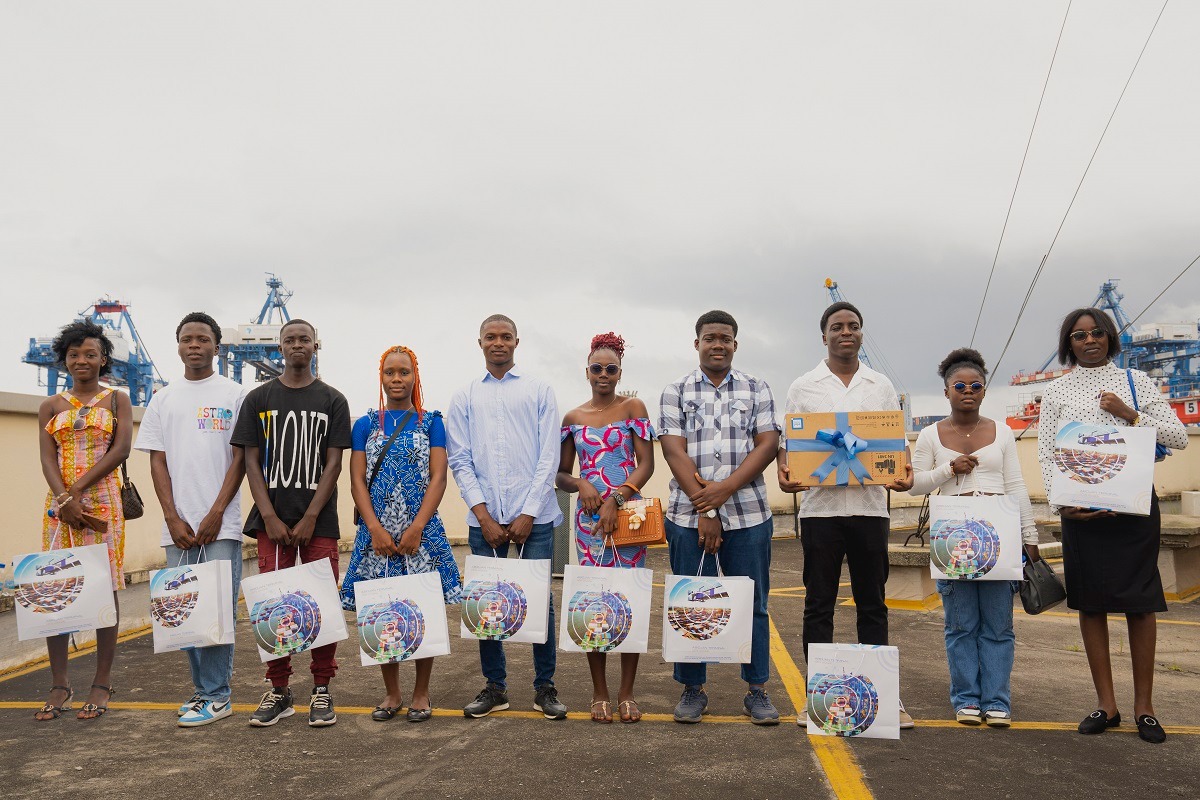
{"x":745,"y":552}
{"x":323,"y":666}
{"x":540,"y":544}
{"x":863,"y":542}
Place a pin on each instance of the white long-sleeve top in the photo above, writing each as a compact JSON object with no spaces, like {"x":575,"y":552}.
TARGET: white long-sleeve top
{"x":1076,"y":397}
{"x":998,"y":472}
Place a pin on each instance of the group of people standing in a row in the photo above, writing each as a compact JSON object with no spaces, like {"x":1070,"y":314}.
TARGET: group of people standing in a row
{"x":502,"y":437}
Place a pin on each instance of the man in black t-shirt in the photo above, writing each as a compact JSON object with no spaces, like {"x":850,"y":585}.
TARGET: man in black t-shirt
{"x":293,"y":430}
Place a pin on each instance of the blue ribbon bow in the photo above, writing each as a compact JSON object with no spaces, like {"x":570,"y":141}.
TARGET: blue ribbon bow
{"x":843,"y":448}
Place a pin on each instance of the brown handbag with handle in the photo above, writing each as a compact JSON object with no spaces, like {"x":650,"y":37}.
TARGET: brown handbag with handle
{"x":647,"y":523}
{"x":132,"y":506}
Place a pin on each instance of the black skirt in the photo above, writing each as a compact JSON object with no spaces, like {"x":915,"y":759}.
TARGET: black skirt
{"x":1110,"y":564}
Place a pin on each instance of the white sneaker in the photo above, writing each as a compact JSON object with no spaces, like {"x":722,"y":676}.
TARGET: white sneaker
{"x":906,"y":721}
{"x":206,"y":712}
{"x":186,"y":707}
{"x":802,"y":717}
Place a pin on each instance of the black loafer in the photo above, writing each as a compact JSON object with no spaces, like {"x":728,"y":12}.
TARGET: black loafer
{"x":1098,"y":722}
{"x":419,"y":714}
{"x":385,"y":713}
{"x":1149,"y":730}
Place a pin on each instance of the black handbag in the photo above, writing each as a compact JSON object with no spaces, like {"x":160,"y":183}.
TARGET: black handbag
{"x":379,"y":461}
{"x":132,"y":506}
{"x":1041,"y":589}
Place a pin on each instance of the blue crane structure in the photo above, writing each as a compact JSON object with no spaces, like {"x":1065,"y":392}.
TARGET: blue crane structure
{"x":1166,"y":353}
{"x":256,"y":343}
{"x":132,"y":366}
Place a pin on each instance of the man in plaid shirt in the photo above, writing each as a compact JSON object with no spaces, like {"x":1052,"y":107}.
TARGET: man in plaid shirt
{"x":718,"y":432}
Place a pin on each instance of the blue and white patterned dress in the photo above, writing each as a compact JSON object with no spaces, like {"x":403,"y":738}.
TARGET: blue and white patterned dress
{"x":396,"y":497}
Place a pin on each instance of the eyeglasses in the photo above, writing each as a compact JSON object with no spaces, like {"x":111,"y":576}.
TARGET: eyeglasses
{"x":81,"y":418}
{"x":1094,"y":333}
{"x":609,"y":369}
{"x":976,"y":386}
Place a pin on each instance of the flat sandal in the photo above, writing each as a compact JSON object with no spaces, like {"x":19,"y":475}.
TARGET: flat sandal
{"x":629,"y":711}
{"x":55,"y":710}
{"x":605,"y":711}
{"x":89,"y":711}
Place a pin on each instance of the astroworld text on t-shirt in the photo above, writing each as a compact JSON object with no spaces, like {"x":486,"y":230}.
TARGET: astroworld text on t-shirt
{"x":212,"y":418}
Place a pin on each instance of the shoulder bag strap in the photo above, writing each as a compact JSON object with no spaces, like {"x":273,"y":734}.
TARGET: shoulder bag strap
{"x":124,"y":469}
{"x":387,"y":446}
{"x":1132,"y":391}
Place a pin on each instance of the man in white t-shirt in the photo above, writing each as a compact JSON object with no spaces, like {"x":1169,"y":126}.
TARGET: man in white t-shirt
{"x":197,"y":477}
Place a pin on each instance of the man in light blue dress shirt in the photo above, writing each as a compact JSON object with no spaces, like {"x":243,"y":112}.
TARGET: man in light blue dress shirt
{"x":502,"y":434}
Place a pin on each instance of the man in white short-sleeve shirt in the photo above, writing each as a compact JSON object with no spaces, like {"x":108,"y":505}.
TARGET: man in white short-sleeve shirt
{"x":197,"y":477}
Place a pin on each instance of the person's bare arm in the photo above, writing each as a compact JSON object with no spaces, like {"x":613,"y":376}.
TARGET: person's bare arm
{"x":210,"y":526}
{"x":181,"y":532}
{"x":276,"y":530}
{"x":302,"y":531}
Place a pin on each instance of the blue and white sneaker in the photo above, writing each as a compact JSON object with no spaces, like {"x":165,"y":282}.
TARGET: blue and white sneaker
{"x":205,"y":712}
{"x":186,"y":707}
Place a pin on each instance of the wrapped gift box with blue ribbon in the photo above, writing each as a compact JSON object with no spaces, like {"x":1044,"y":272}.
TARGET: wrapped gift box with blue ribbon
{"x":846,"y":448}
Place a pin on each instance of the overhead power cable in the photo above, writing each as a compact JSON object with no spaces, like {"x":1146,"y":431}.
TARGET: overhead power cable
{"x":1020,"y":171}
{"x":1042,"y":266}
{"x":1160,"y":294}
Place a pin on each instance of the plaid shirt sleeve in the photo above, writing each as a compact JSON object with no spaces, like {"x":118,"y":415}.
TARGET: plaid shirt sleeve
{"x":764,"y":411}
{"x":670,"y":412}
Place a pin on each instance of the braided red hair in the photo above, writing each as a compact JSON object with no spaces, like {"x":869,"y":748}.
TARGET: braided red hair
{"x":608,"y":341}
{"x":416,"y":390}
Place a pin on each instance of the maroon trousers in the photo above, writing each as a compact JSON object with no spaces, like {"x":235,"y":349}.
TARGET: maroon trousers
{"x":271,"y":558}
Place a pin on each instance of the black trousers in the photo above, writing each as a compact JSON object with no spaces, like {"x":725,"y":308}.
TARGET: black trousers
{"x":863,"y":542}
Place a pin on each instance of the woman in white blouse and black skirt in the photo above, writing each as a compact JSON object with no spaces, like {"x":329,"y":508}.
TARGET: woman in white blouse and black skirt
{"x":968,"y":454}
{"x":1110,"y":560}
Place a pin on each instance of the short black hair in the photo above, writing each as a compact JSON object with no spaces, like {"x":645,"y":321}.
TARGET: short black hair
{"x":1103,"y":321}
{"x":499,"y":318}
{"x":73,"y":335}
{"x":200,"y":316}
{"x":296,"y":321}
{"x":840,"y":305}
{"x":962,"y":358}
{"x":716,"y":317}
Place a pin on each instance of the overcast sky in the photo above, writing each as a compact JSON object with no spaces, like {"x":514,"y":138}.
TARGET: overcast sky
{"x":410,"y":168}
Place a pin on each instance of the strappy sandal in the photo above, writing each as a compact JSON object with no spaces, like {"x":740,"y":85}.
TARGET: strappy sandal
{"x":605,"y":714}
{"x":55,"y":710}
{"x":629,"y":711}
{"x":93,"y":711}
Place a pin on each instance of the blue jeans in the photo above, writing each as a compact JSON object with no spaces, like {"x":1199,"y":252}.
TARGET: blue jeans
{"x":539,"y":545}
{"x":212,"y":667}
{"x":745,"y":552}
{"x":979,"y":642}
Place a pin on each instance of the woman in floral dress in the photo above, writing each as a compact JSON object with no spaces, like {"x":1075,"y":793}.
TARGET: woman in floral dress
{"x":612,"y":436}
{"x":400,"y":532}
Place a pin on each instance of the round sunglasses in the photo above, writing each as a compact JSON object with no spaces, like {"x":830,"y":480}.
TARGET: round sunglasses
{"x":607,"y":369}
{"x":960,"y":386}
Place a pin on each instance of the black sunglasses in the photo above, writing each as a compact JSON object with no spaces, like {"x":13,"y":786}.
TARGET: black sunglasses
{"x":976,"y":386}
{"x":1094,"y":333}
{"x":610,"y":369}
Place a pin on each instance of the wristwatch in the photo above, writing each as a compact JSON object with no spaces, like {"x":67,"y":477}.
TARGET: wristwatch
{"x":619,"y":499}
{"x":711,"y":513}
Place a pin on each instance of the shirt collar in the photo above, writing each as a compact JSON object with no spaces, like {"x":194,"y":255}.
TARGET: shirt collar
{"x":864,"y":372}
{"x":699,"y":377}
{"x":515,"y":372}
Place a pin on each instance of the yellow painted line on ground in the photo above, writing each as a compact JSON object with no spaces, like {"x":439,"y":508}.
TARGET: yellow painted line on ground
{"x":44,"y":661}
{"x":833,"y":753}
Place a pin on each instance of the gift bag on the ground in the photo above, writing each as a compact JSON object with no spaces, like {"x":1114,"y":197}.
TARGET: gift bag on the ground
{"x":854,"y":690}
{"x":1103,"y":466}
{"x":294,"y":609}
{"x":191,"y":605}
{"x":506,"y":599}
{"x":974,"y":538}
{"x":64,"y":591}
{"x":605,"y":609}
{"x":400,"y":618}
{"x":708,"y":620}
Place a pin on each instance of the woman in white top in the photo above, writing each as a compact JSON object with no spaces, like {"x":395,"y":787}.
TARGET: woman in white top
{"x":1110,"y":561}
{"x":970,"y":454}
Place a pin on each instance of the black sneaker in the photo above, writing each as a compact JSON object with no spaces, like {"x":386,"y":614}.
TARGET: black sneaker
{"x":274,"y":706}
{"x":546,"y":701}
{"x":320,"y":708}
{"x":492,"y":698}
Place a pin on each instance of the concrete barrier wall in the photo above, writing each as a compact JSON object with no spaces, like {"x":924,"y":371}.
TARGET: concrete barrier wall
{"x":23,"y":489}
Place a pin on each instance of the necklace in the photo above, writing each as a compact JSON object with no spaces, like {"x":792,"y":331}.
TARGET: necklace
{"x":960,"y":433}
{"x":611,"y":403}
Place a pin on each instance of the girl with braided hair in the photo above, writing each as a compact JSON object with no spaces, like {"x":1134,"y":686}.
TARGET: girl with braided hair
{"x":612,"y":436}
{"x":398,"y":479}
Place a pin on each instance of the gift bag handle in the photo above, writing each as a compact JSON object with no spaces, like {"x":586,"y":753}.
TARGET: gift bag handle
{"x":700,"y":566}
